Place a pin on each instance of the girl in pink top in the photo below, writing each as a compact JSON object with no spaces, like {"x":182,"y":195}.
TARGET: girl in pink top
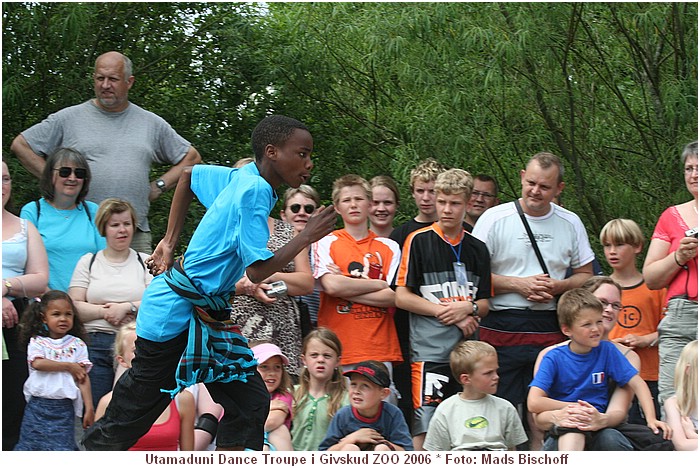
{"x":271,"y":364}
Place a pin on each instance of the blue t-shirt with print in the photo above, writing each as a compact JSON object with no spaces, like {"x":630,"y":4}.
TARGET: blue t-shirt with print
{"x":566,"y":376}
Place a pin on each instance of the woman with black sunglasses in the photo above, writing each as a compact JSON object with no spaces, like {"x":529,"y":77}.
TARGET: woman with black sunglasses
{"x":64,"y":219}
{"x":299,"y":204}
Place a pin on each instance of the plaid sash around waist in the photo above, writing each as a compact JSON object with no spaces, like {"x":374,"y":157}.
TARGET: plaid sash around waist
{"x":216,"y":351}
{"x":179,"y":282}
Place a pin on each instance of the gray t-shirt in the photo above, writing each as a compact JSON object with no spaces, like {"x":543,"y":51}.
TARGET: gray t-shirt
{"x":119,"y":146}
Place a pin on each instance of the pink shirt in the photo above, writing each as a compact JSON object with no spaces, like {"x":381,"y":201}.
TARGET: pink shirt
{"x":671,"y":228}
{"x":287,"y":399}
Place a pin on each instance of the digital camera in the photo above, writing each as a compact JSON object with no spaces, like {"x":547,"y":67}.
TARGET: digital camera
{"x":277,"y":289}
{"x":692,"y":232}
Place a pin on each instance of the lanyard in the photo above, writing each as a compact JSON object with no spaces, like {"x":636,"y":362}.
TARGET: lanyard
{"x":457,"y":252}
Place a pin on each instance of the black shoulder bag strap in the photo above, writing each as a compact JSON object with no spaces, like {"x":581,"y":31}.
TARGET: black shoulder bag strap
{"x":532,"y":237}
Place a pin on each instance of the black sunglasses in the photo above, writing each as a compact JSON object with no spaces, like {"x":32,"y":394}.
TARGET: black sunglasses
{"x":80,"y":172}
{"x":308,"y":208}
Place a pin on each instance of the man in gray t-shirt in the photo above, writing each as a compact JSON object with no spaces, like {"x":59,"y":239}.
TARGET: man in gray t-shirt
{"x":119,"y":139}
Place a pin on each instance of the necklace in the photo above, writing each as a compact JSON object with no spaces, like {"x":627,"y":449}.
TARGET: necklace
{"x":67,"y":214}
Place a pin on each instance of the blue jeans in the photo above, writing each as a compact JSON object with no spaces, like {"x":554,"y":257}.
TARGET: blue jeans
{"x":101,"y":352}
{"x":607,"y":439}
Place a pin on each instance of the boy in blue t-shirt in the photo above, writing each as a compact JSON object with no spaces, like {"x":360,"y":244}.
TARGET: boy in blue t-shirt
{"x":580,"y":371}
{"x":189,"y":302}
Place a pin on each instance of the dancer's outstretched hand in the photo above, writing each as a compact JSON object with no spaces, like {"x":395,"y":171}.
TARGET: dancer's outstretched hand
{"x":320,"y":224}
{"x":161,"y":259}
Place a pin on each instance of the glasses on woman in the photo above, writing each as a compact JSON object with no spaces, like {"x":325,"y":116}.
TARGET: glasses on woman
{"x":6,"y":180}
{"x":616,"y":306}
{"x":79,"y":172}
{"x":308,"y":208}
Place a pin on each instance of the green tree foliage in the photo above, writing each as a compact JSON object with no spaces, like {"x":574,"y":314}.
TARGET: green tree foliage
{"x":195,"y":64}
{"x":609,"y":87}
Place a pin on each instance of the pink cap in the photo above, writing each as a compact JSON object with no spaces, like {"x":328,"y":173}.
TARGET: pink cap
{"x":265,"y":351}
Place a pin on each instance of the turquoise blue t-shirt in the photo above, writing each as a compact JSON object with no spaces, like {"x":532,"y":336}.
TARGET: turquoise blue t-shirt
{"x":67,"y":236}
{"x":232,"y":235}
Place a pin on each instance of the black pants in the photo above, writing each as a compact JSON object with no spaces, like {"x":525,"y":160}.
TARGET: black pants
{"x":14,"y":374}
{"x":137,"y":401}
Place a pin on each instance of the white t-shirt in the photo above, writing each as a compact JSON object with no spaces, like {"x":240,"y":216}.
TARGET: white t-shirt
{"x":490,"y":423}
{"x":560,"y":235}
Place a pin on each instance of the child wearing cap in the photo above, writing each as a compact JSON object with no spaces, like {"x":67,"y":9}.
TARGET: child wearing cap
{"x":369,"y":423}
{"x":271,"y":362}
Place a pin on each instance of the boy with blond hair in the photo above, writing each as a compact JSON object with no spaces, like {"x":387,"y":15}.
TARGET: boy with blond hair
{"x":475,"y":419}
{"x":642,"y":308}
{"x":355,"y":268}
{"x":444,"y":281}
{"x":422,"y":183}
{"x":582,"y":370}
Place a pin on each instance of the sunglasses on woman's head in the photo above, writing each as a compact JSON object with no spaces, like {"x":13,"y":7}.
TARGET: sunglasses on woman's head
{"x":308,"y":208}
{"x":64,"y":172}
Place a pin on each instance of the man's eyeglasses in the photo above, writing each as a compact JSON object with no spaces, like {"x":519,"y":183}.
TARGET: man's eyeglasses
{"x":486,"y":195}
{"x":308,"y":208}
{"x":616,"y":306}
{"x":79,"y":172}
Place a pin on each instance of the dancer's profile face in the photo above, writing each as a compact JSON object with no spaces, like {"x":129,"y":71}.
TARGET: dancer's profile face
{"x":293,"y":158}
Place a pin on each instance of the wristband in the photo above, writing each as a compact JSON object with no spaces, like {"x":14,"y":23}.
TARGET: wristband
{"x":675,"y":258}
{"x":207,"y":423}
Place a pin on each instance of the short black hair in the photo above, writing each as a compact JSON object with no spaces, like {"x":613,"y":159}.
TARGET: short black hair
{"x":273,"y":130}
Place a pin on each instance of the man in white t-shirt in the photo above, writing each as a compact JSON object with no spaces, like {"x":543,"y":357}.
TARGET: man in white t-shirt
{"x":522,"y":318}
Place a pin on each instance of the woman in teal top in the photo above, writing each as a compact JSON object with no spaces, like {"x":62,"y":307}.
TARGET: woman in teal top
{"x":64,"y":219}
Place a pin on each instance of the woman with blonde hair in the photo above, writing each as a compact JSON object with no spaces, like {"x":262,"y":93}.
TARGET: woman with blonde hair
{"x":107,"y":287}
{"x":174,"y":428}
